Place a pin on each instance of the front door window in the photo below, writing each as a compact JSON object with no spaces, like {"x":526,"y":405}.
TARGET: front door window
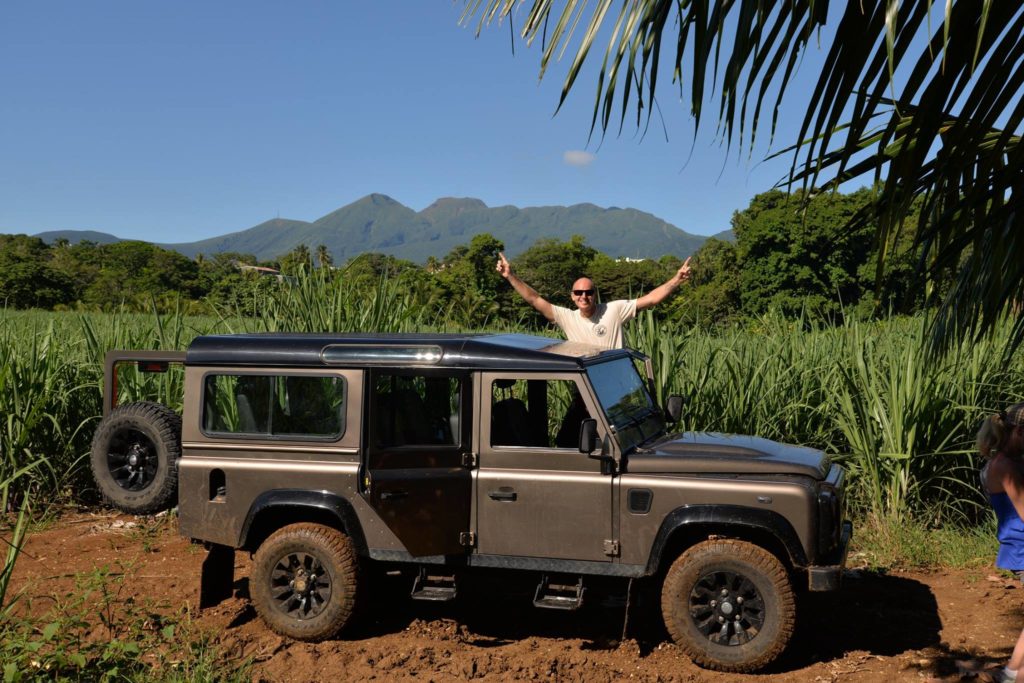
{"x":539,"y":413}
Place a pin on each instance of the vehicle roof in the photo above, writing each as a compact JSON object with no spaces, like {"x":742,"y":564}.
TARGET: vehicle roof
{"x":470,"y":351}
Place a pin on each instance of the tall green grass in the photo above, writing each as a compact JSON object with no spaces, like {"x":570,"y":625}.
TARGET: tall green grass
{"x":325,"y":301}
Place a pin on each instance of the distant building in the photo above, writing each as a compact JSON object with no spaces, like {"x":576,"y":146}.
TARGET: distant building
{"x":259,"y":270}
{"x":264,"y":271}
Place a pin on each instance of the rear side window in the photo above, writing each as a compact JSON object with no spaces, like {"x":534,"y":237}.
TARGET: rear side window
{"x":416,"y":410}
{"x":284,"y":406}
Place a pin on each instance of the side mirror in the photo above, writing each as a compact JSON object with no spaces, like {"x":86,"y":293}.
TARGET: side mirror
{"x":588,"y":436}
{"x":674,"y":408}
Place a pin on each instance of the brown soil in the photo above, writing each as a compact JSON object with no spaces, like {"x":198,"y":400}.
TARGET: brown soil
{"x":916,"y":626}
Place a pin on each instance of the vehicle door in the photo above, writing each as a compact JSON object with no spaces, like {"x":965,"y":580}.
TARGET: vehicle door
{"x":418,"y":436}
{"x":537,"y":495}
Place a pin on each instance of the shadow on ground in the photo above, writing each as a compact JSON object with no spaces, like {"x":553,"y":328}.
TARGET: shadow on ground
{"x":878,"y":614}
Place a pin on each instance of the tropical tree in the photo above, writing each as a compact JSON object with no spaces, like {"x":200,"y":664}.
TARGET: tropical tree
{"x":323,"y":256}
{"x":297,"y":260}
{"x":921,"y":97}
{"x":796,"y":263}
{"x":551,"y":266}
{"x":26,"y":280}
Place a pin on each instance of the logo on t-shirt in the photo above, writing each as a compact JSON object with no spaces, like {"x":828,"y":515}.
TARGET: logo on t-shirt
{"x":600,"y":330}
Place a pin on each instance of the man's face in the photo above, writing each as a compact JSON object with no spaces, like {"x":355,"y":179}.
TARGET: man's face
{"x":584,"y":295}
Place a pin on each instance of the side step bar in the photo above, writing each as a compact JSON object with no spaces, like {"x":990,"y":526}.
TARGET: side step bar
{"x":435,"y":587}
{"x":565,"y":596}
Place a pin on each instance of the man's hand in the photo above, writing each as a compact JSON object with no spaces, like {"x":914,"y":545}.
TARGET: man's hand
{"x":683,"y":274}
{"x":504,"y":269}
{"x":660,"y":293}
{"x":524,"y":290}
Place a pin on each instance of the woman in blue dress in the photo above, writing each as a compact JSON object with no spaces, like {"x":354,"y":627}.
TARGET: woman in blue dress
{"x":1001,"y":444}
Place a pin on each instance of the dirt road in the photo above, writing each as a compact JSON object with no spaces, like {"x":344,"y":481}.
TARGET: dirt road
{"x":938,"y":626}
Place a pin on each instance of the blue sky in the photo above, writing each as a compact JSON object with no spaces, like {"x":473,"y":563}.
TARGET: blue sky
{"x":178,"y":121}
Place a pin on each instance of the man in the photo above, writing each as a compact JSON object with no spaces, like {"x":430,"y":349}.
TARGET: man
{"x":591,"y":322}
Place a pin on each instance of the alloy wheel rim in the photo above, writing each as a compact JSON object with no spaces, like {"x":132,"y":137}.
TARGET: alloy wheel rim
{"x":132,"y":460}
{"x":727,"y":608}
{"x":300,"y":586}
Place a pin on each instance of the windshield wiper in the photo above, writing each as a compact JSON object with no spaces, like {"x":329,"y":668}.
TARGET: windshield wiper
{"x":636,"y":421}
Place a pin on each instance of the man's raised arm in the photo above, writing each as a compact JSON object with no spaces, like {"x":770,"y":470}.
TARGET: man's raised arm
{"x":525,"y":290}
{"x":662,"y":291}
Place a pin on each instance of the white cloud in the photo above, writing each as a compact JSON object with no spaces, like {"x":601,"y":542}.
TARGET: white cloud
{"x":579,"y":158}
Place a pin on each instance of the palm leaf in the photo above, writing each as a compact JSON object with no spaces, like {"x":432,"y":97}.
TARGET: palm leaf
{"x":929,"y":114}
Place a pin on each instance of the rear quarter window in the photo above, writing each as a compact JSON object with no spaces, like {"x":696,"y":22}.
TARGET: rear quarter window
{"x":274,"y":406}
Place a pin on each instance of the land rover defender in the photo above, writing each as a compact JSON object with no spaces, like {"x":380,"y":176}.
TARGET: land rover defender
{"x":325,"y":454}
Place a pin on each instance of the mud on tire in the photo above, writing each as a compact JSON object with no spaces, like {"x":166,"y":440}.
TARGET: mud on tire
{"x":134,"y":457}
{"x":305,"y":581}
{"x":729,"y":605}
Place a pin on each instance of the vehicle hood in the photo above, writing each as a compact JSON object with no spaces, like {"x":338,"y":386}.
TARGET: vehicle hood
{"x":708,"y":452}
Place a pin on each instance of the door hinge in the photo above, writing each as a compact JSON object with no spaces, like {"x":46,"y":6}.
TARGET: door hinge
{"x":611,"y":548}
{"x":469,"y":460}
{"x":467,"y":539}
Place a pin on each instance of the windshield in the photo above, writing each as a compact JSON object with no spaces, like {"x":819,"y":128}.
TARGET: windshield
{"x":626,"y":402}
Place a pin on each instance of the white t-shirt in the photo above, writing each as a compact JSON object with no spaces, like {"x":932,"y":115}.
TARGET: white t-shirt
{"x":603,"y":328}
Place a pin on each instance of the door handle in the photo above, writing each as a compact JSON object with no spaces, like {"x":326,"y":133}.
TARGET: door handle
{"x":503,"y":494}
{"x":393,"y":495}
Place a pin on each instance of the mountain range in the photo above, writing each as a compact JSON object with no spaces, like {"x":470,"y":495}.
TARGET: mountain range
{"x":378,"y":223}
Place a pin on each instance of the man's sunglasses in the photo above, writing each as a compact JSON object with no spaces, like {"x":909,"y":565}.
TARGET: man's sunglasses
{"x":583,"y":292}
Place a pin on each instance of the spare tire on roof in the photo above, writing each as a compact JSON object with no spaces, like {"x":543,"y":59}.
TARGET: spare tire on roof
{"x":134,"y":457}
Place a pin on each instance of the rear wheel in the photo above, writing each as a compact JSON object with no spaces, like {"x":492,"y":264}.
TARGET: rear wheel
{"x":305,"y":581}
{"x":134,"y":457}
{"x":729,"y":605}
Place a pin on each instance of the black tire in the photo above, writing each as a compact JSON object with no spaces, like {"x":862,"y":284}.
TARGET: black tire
{"x":729,"y":605}
{"x":305,"y":581}
{"x":134,"y":457}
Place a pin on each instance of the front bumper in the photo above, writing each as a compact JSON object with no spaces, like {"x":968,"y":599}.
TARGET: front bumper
{"x":828,"y":577}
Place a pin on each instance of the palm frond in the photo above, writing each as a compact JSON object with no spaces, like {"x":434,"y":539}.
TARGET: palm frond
{"x":929,"y":114}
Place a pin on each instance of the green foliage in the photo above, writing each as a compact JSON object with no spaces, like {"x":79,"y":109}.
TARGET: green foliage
{"x":99,"y":632}
{"x":799,"y":255}
{"x":551,"y":266}
{"x":296,"y":261}
{"x":629,"y":279}
{"x":467,"y":279}
{"x":45,"y":410}
{"x":14,"y":545}
{"x":26,"y":279}
{"x":714,"y":295}
{"x":915,"y":544}
{"x":137,"y":273}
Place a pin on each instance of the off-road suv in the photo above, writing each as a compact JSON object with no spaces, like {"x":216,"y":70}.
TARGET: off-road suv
{"x":327,"y":455}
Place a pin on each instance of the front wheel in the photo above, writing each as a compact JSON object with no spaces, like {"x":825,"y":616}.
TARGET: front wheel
{"x":729,"y":605}
{"x":305,"y":581}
